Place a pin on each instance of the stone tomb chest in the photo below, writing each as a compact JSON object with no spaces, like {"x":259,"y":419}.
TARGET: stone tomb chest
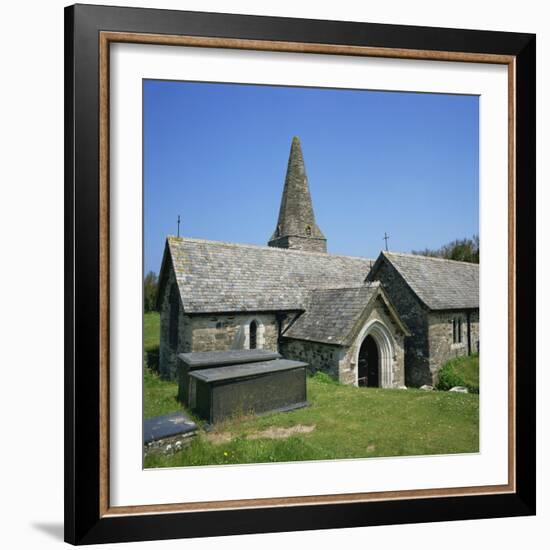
{"x":219,"y":393}
{"x":188,"y":362}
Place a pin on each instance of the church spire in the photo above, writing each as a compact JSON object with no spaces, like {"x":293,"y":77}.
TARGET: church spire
{"x":296,"y":227}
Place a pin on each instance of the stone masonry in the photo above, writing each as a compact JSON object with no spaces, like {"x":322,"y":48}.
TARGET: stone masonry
{"x":319,"y":356}
{"x":413,"y":313}
{"x":227,"y":332}
{"x":440,"y":337}
{"x":167,"y":350}
{"x":296,"y":228}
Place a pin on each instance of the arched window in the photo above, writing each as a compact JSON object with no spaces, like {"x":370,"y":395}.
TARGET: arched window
{"x":174,"y":316}
{"x":308,"y":230}
{"x":253,"y":333}
{"x":457,"y":330}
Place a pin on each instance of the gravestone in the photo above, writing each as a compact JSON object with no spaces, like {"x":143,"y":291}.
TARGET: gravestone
{"x":169,"y":425}
{"x":189,"y":362}
{"x":250,"y":388}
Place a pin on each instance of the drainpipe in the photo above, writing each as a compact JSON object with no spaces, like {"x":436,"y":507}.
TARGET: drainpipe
{"x":280,"y":317}
{"x":469,"y":333}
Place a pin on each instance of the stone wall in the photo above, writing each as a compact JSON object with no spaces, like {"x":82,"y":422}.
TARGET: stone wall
{"x":474,"y":331}
{"x":295,"y":242}
{"x":168,"y":353}
{"x":224,"y":332}
{"x":319,"y":356}
{"x":441,"y":345}
{"x":415,"y":316}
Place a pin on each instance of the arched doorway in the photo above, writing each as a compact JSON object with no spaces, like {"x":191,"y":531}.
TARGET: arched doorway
{"x":375,"y":356}
{"x":368,"y":368}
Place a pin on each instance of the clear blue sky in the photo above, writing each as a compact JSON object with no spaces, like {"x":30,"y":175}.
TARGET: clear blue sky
{"x":404,"y":163}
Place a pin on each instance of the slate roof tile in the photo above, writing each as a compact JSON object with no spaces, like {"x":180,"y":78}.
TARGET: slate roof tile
{"x":331,"y":314}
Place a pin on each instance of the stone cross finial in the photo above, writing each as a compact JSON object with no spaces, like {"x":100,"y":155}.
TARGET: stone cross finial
{"x":385,"y":238}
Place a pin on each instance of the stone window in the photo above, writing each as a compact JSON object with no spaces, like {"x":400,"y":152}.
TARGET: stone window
{"x":457,"y":330}
{"x":253,"y":335}
{"x":174,"y":316}
{"x":308,"y":230}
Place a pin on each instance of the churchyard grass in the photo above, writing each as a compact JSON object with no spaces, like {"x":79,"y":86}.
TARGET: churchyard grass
{"x":151,"y":337}
{"x":345,"y":422}
{"x":159,"y":395}
{"x":341,"y":422}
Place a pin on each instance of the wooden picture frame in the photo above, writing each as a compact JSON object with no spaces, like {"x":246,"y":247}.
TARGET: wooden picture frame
{"x":89,"y":32}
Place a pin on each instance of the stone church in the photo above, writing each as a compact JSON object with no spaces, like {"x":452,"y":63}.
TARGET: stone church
{"x":388,"y":323}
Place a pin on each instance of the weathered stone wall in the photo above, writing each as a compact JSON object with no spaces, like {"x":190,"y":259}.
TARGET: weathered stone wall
{"x":348,"y":362}
{"x":167,"y":353}
{"x":415,"y":316}
{"x":319,"y":356}
{"x":225,"y":332}
{"x":441,"y":346}
{"x":474,"y":331}
{"x":309,"y":244}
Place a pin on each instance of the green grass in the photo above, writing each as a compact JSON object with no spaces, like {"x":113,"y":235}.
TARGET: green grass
{"x":159,"y":396}
{"x":151,"y":337}
{"x":349,"y":422}
{"x":461,"y":371}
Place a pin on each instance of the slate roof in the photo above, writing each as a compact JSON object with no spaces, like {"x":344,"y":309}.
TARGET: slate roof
{"x":440,"y":284}
{"x":225,"y":277}
{"x":331,"y":314}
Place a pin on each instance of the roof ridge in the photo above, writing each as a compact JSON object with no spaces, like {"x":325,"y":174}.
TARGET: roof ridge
{"x":367,"y":284}
{"x":421,"y":256}
{"x":264,"y":247}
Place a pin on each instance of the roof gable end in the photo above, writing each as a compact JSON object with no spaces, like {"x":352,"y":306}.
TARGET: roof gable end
{"x":438,"y":283}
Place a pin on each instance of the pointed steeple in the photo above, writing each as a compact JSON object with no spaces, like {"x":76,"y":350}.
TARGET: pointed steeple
{"x":296,"y":227}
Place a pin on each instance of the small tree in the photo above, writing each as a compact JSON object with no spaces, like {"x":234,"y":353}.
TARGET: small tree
{"x":150,"y":288}
{"x":463,"y":250}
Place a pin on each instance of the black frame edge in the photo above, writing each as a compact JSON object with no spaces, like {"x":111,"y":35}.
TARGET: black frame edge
{"x":69,"y":504}
{"x":526,"y":273}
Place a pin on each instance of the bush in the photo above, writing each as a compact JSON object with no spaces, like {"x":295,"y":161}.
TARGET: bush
{"x":461,"y":371}
{"x":448,"y":378}
{"x":324,"y":378}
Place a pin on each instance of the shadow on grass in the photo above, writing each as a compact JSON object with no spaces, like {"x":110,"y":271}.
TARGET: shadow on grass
{"x":152,"y":358}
